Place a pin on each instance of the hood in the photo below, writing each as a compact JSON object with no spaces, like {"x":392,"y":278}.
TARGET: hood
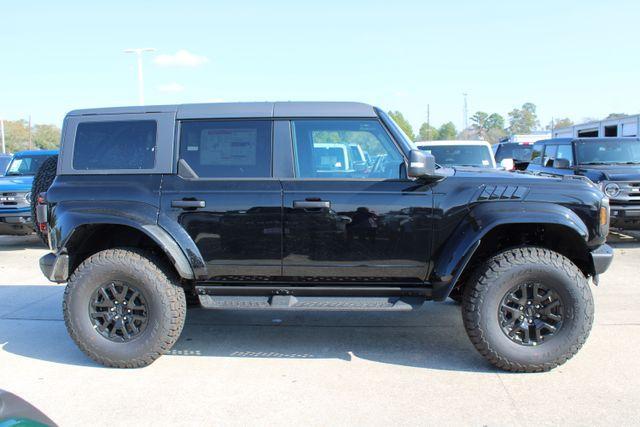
{"x":497,"y":173}
{"x":16,"y":183}
{"x":611,"y":172}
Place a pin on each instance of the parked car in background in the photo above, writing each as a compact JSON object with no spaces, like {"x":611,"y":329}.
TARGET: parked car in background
{"x":475,"y":154}
{"x":513,"y":155}
{"x":15,"y":191}
{"x":250,"y":205}
{"x":612,"y":163}
{"x":5,"y":159}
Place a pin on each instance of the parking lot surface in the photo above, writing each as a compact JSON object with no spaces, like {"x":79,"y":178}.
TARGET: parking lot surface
{"x":277,"y":368}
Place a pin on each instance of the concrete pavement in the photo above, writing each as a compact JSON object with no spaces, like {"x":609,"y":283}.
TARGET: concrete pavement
{"x":266,"y":368}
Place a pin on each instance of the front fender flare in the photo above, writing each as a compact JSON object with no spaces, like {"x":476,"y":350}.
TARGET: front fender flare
{"x":455,"y":254}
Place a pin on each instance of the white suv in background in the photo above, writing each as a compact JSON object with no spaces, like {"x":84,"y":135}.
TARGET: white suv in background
{"x":477,"y":154}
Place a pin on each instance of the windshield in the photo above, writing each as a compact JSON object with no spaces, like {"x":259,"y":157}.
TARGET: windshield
{"x":461,"y":155}
{"x":608,"y":152}
{"x":25,"y":165}
{"x":520,"y":153}
{"x":4,"y":162}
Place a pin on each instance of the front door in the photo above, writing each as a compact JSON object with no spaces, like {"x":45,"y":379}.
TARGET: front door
{"x":225,"y":198}
{"x":348,"y":213}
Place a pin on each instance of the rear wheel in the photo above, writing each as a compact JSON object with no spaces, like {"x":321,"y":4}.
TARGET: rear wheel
{"x":528,"y":309}
{"x":123,"y":309}
{"x":41,"y":183}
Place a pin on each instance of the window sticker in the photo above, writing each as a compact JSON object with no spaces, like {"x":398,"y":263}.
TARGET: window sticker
{"x":229,"y":147}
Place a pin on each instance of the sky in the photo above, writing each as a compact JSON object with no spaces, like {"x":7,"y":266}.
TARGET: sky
{"x":576,"y":59}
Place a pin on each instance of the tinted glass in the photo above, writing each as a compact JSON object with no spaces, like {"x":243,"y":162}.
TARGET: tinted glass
{"x":536,"y":154}
{"x":549,"y":155}
{"x":608,"y":152}
{"x":25,"y":165}
{"x":461,"y":155}
{"x":115,"y":145}
{"x":227,"y":149}
{"x":565,"y":152}
{"x":517,"y":152}
{"x":344,"y":149}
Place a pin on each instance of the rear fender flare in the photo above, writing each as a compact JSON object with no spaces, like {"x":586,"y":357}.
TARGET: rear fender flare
{"x":139,"y":217}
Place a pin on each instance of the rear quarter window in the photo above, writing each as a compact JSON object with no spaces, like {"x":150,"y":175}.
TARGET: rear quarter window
{"x":113,"y":145}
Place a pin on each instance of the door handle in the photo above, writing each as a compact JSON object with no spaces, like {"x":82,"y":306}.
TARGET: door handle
{"x":308,"y":204}
{"x":188,"y":204}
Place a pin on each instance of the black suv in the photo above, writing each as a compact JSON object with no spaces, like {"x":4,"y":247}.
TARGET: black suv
{"x":262,"y":206}
{"x":611,"y":163}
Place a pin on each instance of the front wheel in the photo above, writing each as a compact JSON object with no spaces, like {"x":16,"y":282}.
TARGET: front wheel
{"x":123,"y":309}
{"x":528,"y":309}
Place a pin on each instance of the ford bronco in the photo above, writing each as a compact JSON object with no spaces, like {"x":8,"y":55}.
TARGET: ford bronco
{"x":256,"y":206}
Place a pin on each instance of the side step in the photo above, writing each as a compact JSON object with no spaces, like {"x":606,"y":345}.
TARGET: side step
{"x":290,"y":302}
{"x":325,"y":298}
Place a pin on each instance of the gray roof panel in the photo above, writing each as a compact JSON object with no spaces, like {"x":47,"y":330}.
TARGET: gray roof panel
{"x":323,"y":109}
{"x":227,"y":110}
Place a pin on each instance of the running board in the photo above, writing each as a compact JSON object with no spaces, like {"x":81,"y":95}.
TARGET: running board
{"x":323,"y":298}
{"x":290,"y":302}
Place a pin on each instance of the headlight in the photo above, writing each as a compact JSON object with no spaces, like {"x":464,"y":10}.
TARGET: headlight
{"x":612,"y":189}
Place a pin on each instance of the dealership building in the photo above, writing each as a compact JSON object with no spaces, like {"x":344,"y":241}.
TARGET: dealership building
{"x":625,"y":126}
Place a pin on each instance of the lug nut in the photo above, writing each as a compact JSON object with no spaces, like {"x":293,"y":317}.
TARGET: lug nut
{"x":528,"y":302}
{"x":530,"y":321}
{"x":537,"y":305}
{"x":537,"y":315}
{"x":521,"y":317}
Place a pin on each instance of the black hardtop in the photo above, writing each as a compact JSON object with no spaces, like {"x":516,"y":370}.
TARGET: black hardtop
{"x":242,"y":110}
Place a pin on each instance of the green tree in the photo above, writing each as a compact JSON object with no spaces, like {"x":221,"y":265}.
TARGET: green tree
{"x":402,"y":123}
{"x":447,"y":131}
{"x":560,"y":123}
{"x":16,"y":134}
{"x":427,"y":133}
{"x":46,"y":137}
{"x":523,"y":120}
{"x":494,"y":121}
{"x":42,"y":136}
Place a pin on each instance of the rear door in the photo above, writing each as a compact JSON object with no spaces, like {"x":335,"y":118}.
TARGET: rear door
{"x":226,"y":199}
{"x":353,"y":217}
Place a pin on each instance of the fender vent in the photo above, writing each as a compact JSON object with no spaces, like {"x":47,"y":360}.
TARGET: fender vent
{"x":502,"y":192}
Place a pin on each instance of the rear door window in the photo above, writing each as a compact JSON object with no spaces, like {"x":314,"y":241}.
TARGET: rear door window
{"x":227,"y":149}
{"x":112,"y":145}
{"x":536,"y":154}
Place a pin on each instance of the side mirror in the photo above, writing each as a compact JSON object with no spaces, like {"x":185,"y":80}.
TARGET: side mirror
{"x":561,"y":164}
{"x":421,"y":164}
{"x":508,"y":164}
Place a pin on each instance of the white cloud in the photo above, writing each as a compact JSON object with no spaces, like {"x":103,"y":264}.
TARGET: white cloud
{"x":182,"y":58}
{"x":171,"y":88}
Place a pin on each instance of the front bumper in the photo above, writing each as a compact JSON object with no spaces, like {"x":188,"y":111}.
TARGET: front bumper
{"x":601,"y":258}
{"x":55,"y":267}
{"x":626,"y":217}
{"x":16,"y":222}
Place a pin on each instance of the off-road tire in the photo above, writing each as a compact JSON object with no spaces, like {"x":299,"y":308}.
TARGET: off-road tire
{"x":165,"y":299}
{"x":491,"y":282}
{"x":41,"y":183}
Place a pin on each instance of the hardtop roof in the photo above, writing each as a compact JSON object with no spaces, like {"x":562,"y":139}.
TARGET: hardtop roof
{"x":243,"y":110}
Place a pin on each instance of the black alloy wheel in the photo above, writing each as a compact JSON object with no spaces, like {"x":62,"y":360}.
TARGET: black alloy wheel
{"x":118,"y":311}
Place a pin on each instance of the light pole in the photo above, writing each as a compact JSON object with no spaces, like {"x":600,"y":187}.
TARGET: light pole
{"x":138,"y":52}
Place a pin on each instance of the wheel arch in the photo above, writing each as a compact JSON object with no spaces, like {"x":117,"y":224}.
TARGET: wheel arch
{"x":490,"y":227}
{"x":87,"y":239}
